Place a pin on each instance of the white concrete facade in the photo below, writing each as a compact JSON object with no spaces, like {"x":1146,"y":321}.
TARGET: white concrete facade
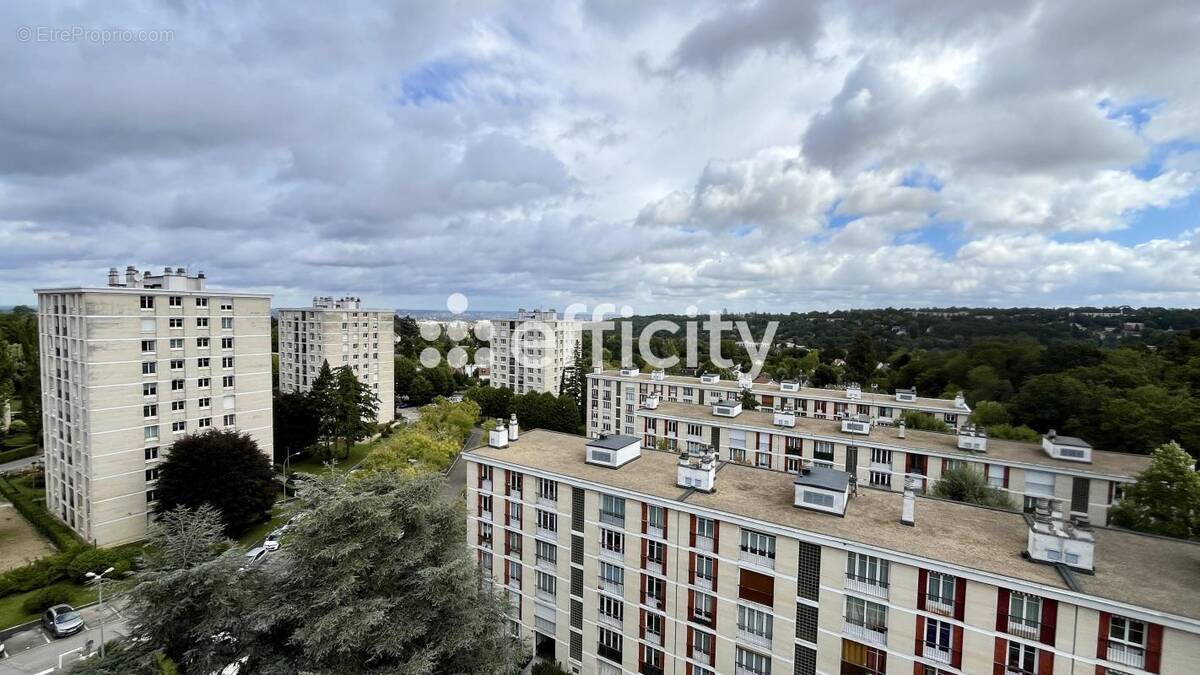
{"x":128,"y":369}
{"x":530,"y":353}
{"x":344,"y":334}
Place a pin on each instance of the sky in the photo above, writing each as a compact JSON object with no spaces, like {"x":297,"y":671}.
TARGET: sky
{"x":768,"y":155}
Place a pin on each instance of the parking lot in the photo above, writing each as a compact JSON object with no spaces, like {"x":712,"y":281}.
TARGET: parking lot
{"x":33,"y":652}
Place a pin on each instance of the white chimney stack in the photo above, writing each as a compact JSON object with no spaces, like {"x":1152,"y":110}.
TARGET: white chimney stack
{"x":498,"y":437}
{"x":908,"y":512}
{"x":512,"y":427}
{"x":900,"y":430}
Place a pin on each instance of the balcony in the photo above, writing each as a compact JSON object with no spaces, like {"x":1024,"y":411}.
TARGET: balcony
{"x":608,"y":653}
{"x":705,"y":583}
{"x":487,"y":516}
{"x":514,"y":521}
{"x":705,"y":543}
{"x":515,"y":493}
{"x":550,"y":535}
{"x":872,"y":634}
{"x":654,"y":566}
{"x":1026,"y":628}
{"x":611,"y":588}
{"x":655,"y":639}
{"x":757,"y":560}
{"x":1126,"y":655}
{"x":940,"y":606}
{"x":544,"y":596}
{"x":936,"y":652}
{"x":546,"y":564}
{"x":872,"y":587}
{"x":612,"y":518}
{"x":702,"y":656}
{"x":608,"y":620}
{"x":655,"y":531}
{"x":543,"y":500}
{"x":655,"y":602}
{"x":614,"y":556}
{"x":753,"y":638}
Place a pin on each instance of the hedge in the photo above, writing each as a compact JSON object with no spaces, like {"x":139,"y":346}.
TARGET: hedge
{"x":50,"y":527}
{"x":70,"y":565}
{"x":18,"y":453}
{"x":47,"y":597}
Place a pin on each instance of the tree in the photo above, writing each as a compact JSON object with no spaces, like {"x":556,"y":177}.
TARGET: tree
{"x":322,"y":397}
{"x":749,"y":402}
{"x":493,"y":401}
{"x":860,"y":359}
{"x":966,"y":484}
{"x":223,"y":469}
{"x":824,"y":375}
{"x":420,"y":390}
{"x":379,"y":579}
{"x":297,"y":424}
{"x":446,"y":420}
{"x":923,"y":421}
{"x":546,"y":411}
{"x":1055,"y":401}
{"x":402,"y":377}
{"x":989,"y":413}
{"x":1166,"y":498}
{"x":412,"y":450}
{"x":573,"y":385}
{"x":355,"y":408}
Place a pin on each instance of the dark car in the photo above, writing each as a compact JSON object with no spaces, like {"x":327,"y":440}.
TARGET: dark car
{"x":61,"y":621}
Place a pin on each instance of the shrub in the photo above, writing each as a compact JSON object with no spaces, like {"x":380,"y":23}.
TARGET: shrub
{"x":37,"y":574}
{"x":1010,"y":433}
{"x":547,"y":668}
{"x":58,"y":533}
{"x":965,"y":484}
{"x":923,"y":421}
{"x":96,"y":560}
{"x":47,"y":597}
{"x":19,"y":453}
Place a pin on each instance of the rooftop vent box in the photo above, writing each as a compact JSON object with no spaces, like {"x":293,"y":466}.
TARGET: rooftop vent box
{"x":854,"y":392}
{"x":658,"y":375}
{"x":745,"y":381}
{"x":1056,"y":541}
{"x":822,"y":489}
{"x":613,"y":451}
{"x":498,"y":436}
{"x":906,"y":395}
{"x":972,"y":438}
{"x":651,"y":402}
{"x":784,"y":419}
{"x":728,"y":408}
{"x":710,"y":378}
{"x":1069,"y":448}
{"x":697,"y":469}
{"x":856,"y":424}
{"x":960,"y":401}
{"x":789,"y":385}
{"x":630,"y":372}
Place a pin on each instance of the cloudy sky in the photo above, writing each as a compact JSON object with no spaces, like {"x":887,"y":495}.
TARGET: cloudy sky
{"x":771,"y":154}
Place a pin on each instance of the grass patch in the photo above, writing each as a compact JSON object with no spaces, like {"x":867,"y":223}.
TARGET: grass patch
{"x":17,"y":445}
{"x":313,"y":465}
{"x":256,"y":534}
{"x":12,"y":613}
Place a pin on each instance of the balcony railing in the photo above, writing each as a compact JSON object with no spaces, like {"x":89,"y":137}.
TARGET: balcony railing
{"x":609,"y":554}
{"x":611,"y":588}
{"x":655,"y":601}
{"x":542,"y":532}
{"x":757,"y":560}
{"x":543,"y":595}
{"x":606,"y":652}
{"x":704,"y":583}
{"x":515,"y":493}
{"x":867,"y":586}
{"x":654,"y":638}
{"x":488,"y":516}
{"x":753,"y":638}
{"x":608,"y":620}
{"x":546,"y":564}
{"x":1126,"y":655}
{"x":612,"y":518}
{"x":654,"y":531}
{"x":873,"y":634}
{"x":514,"y":521}
{"x":654,"y":566}
{"x":941,"y":606}
{"x":704,"y":543}
{"x":543,"y":500}
{"x":936,"y":652}
{"x":647,"y":669}
{"x":1026,"y":628}
{"x":485,"y":485}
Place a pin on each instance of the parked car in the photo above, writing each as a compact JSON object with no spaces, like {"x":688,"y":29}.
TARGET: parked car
{"x":253,"y":555}
{"x":272,"y":542}
{"x":61,"y":621}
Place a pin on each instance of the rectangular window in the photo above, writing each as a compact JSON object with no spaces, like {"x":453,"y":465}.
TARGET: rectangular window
{"x":204,"y":422}
{"x":176,"y":343}
{"x":176,"y":364}
{"x":866,"y":614}
{"x":147,"y":346}
{"x":203,"y":382}
{"x":546,"y":552}
{"x":151,"y":474}
{"x":226,"y":306}
{"x":202,"y":362}
{"x":867,"y":569}
{"x":175,"y":301}
{"x":150,"y":433}
{"x":1126,"y":641}
{"x":226,"y":343}
{"x":612,"y":510}
{"x":175,"y":322}
{"x":227,"y":381}
{"x":612,"y":577}
{"x":178,"y":406}
{"x":1024,"y":614}
{"x":227,"y":323}
{"x":150,"y":389}
{"x":758,"y":544}
{"x":202,"y":342}
{"x":703,"y":607}
{"x":177,"y":385}
{"x":179,"y":427}
{"x":609,"y":646}
{"x":939,"y":590}
{"x":149,"y":411}
{"x":754,"y":622}
{"x":229,"y":420}
{"x":545,"y":584}
{"x":753,"y":662}
{"x":226,"y":361}
{"x":149,"y":367}
{"x":147,"y":302}
{"x":151,"y":453}
{"x":612,"y":540}
{"x":547,"y":520}
{"x":202,"y":302}
{"x":202,"y":322}
{"x":1022,"y":658}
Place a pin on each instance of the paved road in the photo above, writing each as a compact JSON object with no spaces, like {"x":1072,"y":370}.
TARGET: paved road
{"x":456,"y":477}
{"x":20,"y":464}
{"x":34,"y":652}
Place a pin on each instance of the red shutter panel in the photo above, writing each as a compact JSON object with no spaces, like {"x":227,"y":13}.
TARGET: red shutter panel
{"x":1102,"y":634}
{"x":666,"y":519}
{"x":922,"y":585}
{"x":998,"y":655}
{"x":716,"y":537}
{"x":645,"y":523}
{"x":956,"y":653}
{"x":918,"y":649}
{"x":691,"y":612}
{"x":692,"y":567}
{"x":1045,"y":662}
{"x":1049,"y":621}
{"x":1002,"y":596}
{"x":642,"y":587}
{"x":689,"y":646}
{"x":692,"y":532}
{"x":1154,"y":640}
{"x":642,"y":624}
{"x":960,"y":598}
{"x":908,"y":462}
{"x":1006,"y":476}
{"x":645,"y":551}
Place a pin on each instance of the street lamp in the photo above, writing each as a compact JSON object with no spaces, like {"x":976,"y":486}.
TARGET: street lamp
{"x":100,"y":585}
{"x":286,"y":460}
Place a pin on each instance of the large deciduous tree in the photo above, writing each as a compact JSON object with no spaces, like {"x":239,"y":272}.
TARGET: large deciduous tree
{"x":1166,"y":498}
{"x":224,"y":469}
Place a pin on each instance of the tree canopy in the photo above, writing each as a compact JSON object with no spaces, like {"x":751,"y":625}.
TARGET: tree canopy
{"x":1166,"y":498}
{"x":223,"y":469}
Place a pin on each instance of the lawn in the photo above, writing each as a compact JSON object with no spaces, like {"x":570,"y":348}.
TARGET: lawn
{"x":17,"y":441}
{"x":256,"y":534}
{"x":313,"y":465}
{"x":12,"y":614}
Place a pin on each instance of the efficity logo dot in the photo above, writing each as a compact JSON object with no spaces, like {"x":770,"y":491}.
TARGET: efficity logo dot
{"x":456,"y":331}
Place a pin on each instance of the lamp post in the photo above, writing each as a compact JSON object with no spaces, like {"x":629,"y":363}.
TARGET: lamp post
{"x":100,"y":586}
{"x":287,"y":460}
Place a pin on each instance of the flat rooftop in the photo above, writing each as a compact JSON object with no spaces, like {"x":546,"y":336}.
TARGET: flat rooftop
{"x":773,"y":389}
{"x":973,"y":537}
{"x":1103,"y":463}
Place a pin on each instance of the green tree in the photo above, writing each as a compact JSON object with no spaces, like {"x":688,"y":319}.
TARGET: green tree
{"x":966,"y":484}
{"x":989,"y":413}
{"x":1166,"y":498}
{"x":573,"y":386}
{"x":402,"y":377}
{"x":420,"y":390}
{"x":824,"y":375}
{"x":355,"y":408}
{"x":410,"y":451}
{"x":923,"y":421}
{"x":297,"y":424}
{"x":223,"y":469}
{"x":1055,"y":401}
{"x":322,"y":396}
{"x":444,"y":419}
{"x":749,"y":402}
{"x":861,"y":359}
{"x":493,"y":401}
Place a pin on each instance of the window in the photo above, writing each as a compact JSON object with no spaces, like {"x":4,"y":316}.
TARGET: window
{"x":151,"y":453}
{"x":229,"y":420}
{"x":202,"y":342}
{"x":147,"y":346}
{"x":612,"y":577}
{"x":939,"y":636}
{"x":1022,"y":658}
{"x":753,"y":662}
{"x":202,"y":302}
{"x":177,"y":385}
{"x":175,"y":322}
{"x":227,"y":382}
{"x":702,"y":644}
{"x":1126,"y":641}
{"x":149,"y":367}
{"x":202,"y":322}
{"x":823,"y":453}
{"x":204,"y":422}
{"x":939,"y":590}
{"x":176,"y":364}
{"x":546,"y":552}
{"x":203,"y":382}
{"x":175,"y":301}
{"x":178,"y":406}
{"x":758,"y":544}
{"x":226,"y":306}
{"x":656,"y":520}
{"x":150,"y":389}
{"x":202,"y":362}
{"x":151,"y":474}
{"x":612,"y":510}
{"x":705,"y":569}
{"x":612,"y":540}
{"x":150,"y":433}
{"x":179,"y":427}
{"x":706,"y":528}
{"x":149,"y":411}
{"x":610,"y":645}
{"x":866,"y":614}
{"x":226,"y":343}
{"x":226,"y":361}
{"x":612,"y":608}
{"x":547,"y":520}
{"x":204,"y":402}
{"x":151,"y":495}
{"x":176,"y":343}
{"x":656,"y":553}
{"x":754,"y":622}
{"x":147,"y":302}
{"x":703,"y":606}
{"x":227,"y":323}
{"x":995,"y":475}
{"x":867,"y":569}
{"x":546,"y":584}
{"x":822,"y":500}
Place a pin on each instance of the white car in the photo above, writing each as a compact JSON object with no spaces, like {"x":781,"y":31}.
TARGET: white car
{"x":272,"y":542}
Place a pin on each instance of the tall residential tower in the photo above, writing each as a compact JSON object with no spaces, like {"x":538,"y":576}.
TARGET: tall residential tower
{"x":530,"y":353}
{"x":129,"y":368}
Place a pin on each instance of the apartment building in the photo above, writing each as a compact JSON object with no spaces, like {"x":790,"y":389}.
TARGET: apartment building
{"x":616,"y":560}
{"x":530,"y":353}
{"x":345,"y":334}
{"x":1088,"y":481}
{"x":614,"y":394}
{"x":130,"y":367}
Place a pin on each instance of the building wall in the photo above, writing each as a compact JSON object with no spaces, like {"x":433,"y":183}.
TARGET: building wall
{"x":541,"y":369}
{"x":97,"y":482}
{"x":1072,"y":647}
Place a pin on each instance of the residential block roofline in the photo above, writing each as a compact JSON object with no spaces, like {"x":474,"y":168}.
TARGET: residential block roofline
{"x":968,"y":538}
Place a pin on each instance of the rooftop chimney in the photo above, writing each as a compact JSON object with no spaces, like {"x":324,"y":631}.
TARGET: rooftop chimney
{"x":651,"y":402}
{"x":131,"y":276}
{"x":900,"y":430}
{"x":512,"y":427}
{"x":114,"y":278}
{"x":498,"y":436}
{"x":1053,"y":540}
{"x":908,"y":511}
{"x":697,"y":469}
